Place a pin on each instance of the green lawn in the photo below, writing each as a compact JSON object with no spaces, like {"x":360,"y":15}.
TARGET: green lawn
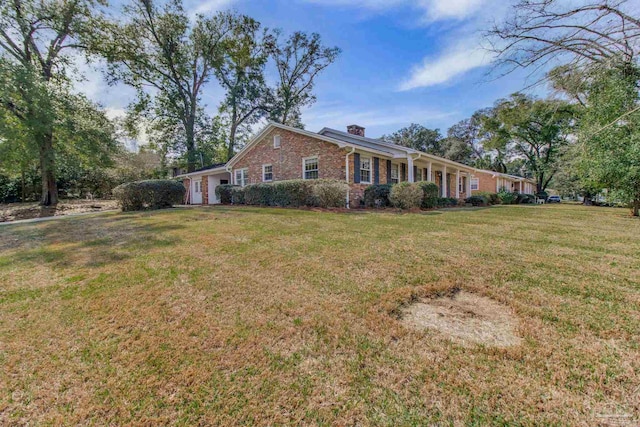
{"x":272,"y":316}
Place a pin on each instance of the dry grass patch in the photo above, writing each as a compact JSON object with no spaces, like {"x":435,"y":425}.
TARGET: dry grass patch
{"x":252,"y":316}
{"x":466,"y":318}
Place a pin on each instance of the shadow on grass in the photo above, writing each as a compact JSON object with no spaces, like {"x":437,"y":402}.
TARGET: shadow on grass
{"x":91,"y":241}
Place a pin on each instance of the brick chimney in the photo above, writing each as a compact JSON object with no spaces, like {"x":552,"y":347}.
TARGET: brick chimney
{"x":356,"y":130}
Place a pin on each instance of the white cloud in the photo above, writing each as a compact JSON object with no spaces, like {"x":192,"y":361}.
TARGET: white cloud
{"x":208,"y":6}
{"x":451,"y":64}
{"x":431,"y":10}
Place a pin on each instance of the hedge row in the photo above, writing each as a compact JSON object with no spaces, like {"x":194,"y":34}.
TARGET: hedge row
{"x":149,"y":194}
{"x":503,"y":197}
{"x":325,"y":193}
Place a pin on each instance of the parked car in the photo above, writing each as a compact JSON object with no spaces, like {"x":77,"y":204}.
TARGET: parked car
{"x":554,"y":199}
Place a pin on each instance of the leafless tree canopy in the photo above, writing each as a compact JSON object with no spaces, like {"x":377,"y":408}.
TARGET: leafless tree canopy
{"x":539,"y":31}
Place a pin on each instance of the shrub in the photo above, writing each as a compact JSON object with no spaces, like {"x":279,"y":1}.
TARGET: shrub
{"x":406,"y":195}
{"x":430,"y":192}
{"x":295,"y":192}
{"x":492,"y":198}
{"x":237,"y":195}
{"x":446,"y":202}
{"x":330,"y":193}
{"x":525,"y":199}
{"x":258,"y":194}
{"x":477,"y":200}
{"x":507,"y":197}
{"x":377,"y":196}
{"x":224,"y":193}
{"x":149,"y":194}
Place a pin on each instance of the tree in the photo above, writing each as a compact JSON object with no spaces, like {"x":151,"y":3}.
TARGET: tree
{"x":534,"y":129}
{"x":540,"y":31}
{"x":609,"y":132}
{"x":241,"y":73}
{"x":419,"y":138}
{"x":36,"y":38}
{"x":169,"y":61}
{"x":466,"y":137}
{"x":298,"y":61}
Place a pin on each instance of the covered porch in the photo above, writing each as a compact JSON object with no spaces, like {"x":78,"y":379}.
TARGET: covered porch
{"x":453,"y":179}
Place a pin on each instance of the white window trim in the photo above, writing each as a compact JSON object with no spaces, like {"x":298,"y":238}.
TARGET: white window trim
{"x":279,"y":139}
{"x":370,"y":169}
{"x":263,"y":172}
{"x":397,"y":178}
{"x":245,"y":175}
{"x":477,"y":181}
{"x":304,"y":159}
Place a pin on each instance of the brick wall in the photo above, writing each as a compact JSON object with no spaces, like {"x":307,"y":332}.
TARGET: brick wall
{"x":486,"y":183}
{"x":287,"y":160}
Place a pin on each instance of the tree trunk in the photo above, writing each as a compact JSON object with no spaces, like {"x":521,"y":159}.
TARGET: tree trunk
{"x":191,"y":146}
{"x":232,"y":142}
{"x":636,"y":206}
{"x":47,"y":168}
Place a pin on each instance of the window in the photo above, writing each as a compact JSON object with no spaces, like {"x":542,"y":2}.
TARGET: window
{"x":276,"y":141}
{"x":267,"y":173}
{"x":462,"y":184}
{"x":242,"y":177}
{"x":310,"y":168}
{"x":365,"y":170}
{"x":394,"y":173}
{"x":474,"y":184}
{"x":198,"y":186}
{"x":418,"y":176}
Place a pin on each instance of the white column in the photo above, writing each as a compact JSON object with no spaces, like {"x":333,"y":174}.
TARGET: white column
{"x":497,"y":184}
{"x":444,"y":180}
{"x":458,"y":184}
{"x":429,"y":172}
{"x":468,"y":191}
{"x":520,"y":187}
{"x":410,"y":176}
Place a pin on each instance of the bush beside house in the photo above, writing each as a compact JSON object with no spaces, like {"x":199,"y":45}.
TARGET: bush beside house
{"x":377,"y":196}
{"x":325,"y":193}
{"x":329,"y":193}
{"x":406,"y":195}
{"x":149,"y":194}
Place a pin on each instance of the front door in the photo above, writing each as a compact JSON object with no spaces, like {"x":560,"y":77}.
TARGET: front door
{"x":196,"y":192}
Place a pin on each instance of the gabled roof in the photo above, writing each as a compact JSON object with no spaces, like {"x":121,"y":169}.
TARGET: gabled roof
{"x":273,"y":125}
{"x":344,"y":139}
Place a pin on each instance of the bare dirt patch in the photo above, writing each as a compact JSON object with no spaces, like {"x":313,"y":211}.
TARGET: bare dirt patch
{"x":17,"y":211}
{"x":466,"y":318}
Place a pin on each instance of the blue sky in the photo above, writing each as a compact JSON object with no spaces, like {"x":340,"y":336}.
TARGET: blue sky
{"x":402,"y":61}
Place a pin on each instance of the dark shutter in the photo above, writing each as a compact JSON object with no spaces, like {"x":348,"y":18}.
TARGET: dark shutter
{"x":356,"y":168}
{"x":424,"y":175}
{"x":389,"y":172}
{"x":415,"y":173}
{"x":403,"y":172}
{"x":376,"y":170}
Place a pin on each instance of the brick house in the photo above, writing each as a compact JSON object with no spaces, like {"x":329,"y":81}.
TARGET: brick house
{"x":492,"y":182}
{"x":281,"y":152}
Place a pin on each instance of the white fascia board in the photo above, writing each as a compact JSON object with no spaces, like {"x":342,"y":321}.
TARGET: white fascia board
{"x":204,"y":172}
